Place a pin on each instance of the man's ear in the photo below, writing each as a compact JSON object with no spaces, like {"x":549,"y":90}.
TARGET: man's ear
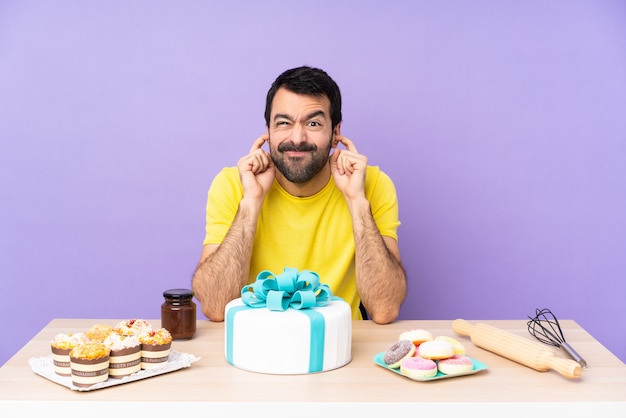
{"x":336,"y":131}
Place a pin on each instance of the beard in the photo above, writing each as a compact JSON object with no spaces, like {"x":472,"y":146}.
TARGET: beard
{"x":300,"y":170}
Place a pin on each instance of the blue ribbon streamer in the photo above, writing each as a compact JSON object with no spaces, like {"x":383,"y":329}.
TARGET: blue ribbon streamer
{"x":289,"y":289}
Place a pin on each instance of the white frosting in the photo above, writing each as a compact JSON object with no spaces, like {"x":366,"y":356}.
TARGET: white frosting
{"x":119,"y":342}
{"x":133,"y":327}
{"x":70,"y":339}
{"x":278,"y":342}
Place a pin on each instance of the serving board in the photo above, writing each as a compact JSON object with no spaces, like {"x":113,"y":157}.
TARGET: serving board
{"x":478,"y":366}
{"x":44,"y":367}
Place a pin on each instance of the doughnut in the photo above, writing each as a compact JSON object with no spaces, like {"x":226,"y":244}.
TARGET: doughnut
{"x":416,"y":336}
{"x":436,"y":349}
{"x":398,"y":351}
{"x":458,"y":347}
{"x":455,"y":364}
{"x":418,"y":367}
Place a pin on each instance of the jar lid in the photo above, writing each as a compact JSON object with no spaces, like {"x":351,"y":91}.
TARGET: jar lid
{"x":178,"y":293}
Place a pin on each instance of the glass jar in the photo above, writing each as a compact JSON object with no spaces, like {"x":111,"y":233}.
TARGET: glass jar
{"x":178,"y":313}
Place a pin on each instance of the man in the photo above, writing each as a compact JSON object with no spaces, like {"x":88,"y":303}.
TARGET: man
{"x":301,"y":206}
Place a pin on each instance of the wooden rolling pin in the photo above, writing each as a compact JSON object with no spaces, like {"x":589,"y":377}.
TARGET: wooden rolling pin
{"x":513,"y":347}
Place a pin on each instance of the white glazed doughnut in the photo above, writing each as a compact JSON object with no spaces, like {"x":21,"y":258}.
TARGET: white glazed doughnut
{"x":416,"y":336}
{"x":436,"y":349}
{"x":458,"y":347}
{"x":418,"y":367}
{"x":398,"y":351}
{"x":455,"y":364}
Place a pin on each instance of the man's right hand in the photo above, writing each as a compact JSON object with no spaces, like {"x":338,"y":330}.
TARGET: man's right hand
{"x":257,"y":171}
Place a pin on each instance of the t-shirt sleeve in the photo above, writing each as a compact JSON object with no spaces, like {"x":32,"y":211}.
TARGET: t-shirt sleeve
{"x":222,"y":204}
{"x":381,"y":192}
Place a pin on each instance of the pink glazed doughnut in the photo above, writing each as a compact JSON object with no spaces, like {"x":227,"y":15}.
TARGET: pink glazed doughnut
{"x":418,"y":367}
{"x":397,"y":352}
{"x":455,"y":364}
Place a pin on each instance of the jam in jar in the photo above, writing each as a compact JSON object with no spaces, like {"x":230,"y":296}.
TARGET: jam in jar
{"x":178,"y":313}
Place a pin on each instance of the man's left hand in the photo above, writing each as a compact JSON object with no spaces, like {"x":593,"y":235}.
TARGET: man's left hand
{"x":348,"y":169}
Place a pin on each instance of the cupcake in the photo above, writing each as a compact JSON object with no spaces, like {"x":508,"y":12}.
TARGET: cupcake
{"x":125,"y":355}
{"x":132,"y":327}
{"x":155,"y":348}
{"x":61,"y":345}
{"x":99,"y":332}
{"x":89,"y":363}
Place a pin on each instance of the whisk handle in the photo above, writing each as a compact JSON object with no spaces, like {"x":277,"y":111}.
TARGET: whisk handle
{"x":573,"y":354}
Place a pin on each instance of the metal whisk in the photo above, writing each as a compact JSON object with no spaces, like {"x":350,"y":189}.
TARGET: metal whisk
{"x":545,"y":327}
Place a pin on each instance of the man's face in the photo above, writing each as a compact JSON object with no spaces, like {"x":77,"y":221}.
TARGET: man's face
{"x":300,"y":132}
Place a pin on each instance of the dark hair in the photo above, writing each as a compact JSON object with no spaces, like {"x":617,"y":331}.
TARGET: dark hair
{"x":309,"y":82}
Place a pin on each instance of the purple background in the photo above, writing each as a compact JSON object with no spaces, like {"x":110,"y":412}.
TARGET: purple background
{"x":502,"y":123}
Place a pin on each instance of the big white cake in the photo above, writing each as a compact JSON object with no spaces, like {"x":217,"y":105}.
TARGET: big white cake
{"x":293,"y":341}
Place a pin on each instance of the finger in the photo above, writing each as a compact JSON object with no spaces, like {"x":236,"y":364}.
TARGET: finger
{"x":258,"y":143}
{"x":334,"y":160}
{"x":348,"y":165}
{"x":347,"y":143}
{"x":252,"y":164}
{"x":262,"y":161}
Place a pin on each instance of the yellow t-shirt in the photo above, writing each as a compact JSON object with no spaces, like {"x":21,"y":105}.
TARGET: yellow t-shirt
{"x":310,"y":233}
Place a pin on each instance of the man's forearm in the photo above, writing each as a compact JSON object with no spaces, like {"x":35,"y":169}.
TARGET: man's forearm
{"x":218,"y":279}
{"x":381,"y":279}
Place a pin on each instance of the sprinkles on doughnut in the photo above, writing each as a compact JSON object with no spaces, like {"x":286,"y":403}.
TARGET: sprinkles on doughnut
{"x":418,"y":367}
{"x":397,"y":352}
{"x":455,"y":365}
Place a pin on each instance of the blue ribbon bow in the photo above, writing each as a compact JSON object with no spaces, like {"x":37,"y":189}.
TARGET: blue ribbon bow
{"x":287,"y":290}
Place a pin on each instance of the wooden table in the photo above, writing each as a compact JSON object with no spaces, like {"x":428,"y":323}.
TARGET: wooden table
{"x":210,"y":385}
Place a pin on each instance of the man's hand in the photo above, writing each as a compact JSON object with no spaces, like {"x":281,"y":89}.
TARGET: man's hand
{"x":380,"y":277}
{"x":257,"y":171}
{"x":348,"y":169}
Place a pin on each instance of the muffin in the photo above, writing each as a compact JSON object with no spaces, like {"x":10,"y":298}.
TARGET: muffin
{"x":132,"y":327}
{"x":155,"y":348}
{"x":61,"y":345}
{"x":89,"y":363}
{"x":99,"y":332}
{"x":125,"y":355}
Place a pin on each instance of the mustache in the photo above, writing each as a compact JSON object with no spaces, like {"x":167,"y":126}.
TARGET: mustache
{"x":290,"y":146}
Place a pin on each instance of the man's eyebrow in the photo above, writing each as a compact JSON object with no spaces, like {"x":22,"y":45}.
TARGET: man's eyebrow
{"x":282,"y":116}
{"x":308,"y":117}
{"x":316,"y":114}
